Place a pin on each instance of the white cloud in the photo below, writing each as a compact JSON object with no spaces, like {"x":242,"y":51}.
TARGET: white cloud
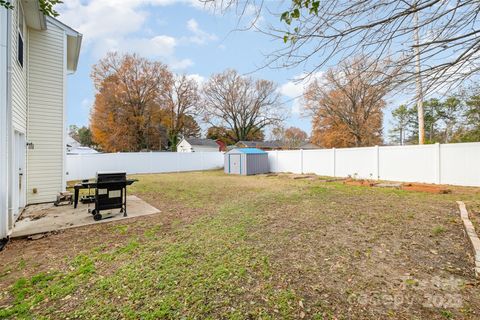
{"x":114,"y":25}
{"x":156,"y":47}
{"x":294,"y":89}
{"x":198,"y":78}
{"x":86,"y":103}
{"x":199,"y":36}
{"x":181,"y":64}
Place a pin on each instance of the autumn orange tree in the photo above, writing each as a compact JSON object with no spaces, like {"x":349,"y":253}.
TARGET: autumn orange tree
{"x":347,"y":105}
{"x":289,"y":138}
{"x":294,"y":137}
{"x":126,"y":115}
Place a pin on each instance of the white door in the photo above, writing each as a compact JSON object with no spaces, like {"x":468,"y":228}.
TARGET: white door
{"x":18,"y":174}
{"x":235,"y":163}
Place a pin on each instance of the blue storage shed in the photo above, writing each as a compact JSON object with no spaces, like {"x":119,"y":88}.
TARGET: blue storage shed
{"x":246,"y":161}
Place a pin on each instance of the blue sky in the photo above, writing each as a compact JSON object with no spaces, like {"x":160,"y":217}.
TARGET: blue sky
{"x":181,"y":33}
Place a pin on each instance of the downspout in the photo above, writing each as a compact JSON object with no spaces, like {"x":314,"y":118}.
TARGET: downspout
{"x":5,"y":124}
{"x":9,"y":112}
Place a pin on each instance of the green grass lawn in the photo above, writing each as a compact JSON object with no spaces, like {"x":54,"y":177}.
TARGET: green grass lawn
{"x":253,"y":248}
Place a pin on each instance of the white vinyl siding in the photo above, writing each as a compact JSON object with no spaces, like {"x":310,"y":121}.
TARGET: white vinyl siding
{"x":184,"y":146}
{"x":19,"y":76}
{"x":204,"y":149}
{"x":46,"y":86}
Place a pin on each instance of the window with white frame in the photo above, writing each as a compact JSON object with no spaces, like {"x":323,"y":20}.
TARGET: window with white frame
{"x":20,"y":28}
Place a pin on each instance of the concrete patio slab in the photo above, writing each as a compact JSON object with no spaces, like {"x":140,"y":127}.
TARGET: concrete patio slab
{"x":43,"y":218}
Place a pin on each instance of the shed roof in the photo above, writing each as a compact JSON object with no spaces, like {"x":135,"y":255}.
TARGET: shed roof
{"x":247,"y":151}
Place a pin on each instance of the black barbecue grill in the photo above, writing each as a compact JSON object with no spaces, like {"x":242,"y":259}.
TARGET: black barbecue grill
{"x":110,"y":192}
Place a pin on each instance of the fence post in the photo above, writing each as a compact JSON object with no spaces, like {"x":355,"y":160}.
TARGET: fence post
{"x":276,"y":161}
{"x":178,"y":161}
{"x":334,"y":160}
{"x":377,"y":163}
{"x":301,"y":161}
{"x":438,"y":176}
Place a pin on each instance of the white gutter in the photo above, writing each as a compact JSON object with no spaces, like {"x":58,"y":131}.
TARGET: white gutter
{"x":5,"y":119}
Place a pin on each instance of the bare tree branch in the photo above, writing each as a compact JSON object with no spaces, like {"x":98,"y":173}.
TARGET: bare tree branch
{"x":241,"y":104}
{"x":335,"y":30}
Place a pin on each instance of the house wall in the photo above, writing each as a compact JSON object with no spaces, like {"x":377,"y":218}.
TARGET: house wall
{"x":204,"y":149}
{"x":18,"y":115}
{"x":184,"y":146}
{"x":19,"y":75}
{"x":46,"y":119}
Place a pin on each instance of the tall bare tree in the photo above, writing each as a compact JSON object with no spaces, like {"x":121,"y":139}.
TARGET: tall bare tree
{"x":241,"y":104}
{"x":182,"y":103}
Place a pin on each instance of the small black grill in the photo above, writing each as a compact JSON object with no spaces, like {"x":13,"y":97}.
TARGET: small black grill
{"x":110,"y":192}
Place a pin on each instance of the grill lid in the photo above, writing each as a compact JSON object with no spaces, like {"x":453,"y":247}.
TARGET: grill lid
{"x":108,"y":176}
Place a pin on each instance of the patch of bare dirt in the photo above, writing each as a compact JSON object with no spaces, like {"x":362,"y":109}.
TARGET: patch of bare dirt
{"x":359,"y":182}
{"x":423,"y":187}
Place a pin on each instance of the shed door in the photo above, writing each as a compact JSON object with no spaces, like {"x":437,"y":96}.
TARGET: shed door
{"x":235,"y":164}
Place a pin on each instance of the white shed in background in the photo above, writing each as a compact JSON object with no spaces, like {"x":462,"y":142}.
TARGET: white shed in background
{"x":197,"y":145}
{"x":246,"y":161}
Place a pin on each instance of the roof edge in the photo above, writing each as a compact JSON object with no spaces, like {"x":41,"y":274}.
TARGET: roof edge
{"x":74,"y":45}
{"x":69,"y":30}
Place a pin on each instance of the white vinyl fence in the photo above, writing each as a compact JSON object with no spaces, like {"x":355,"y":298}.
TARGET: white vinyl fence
{"x":456,"y":164}
{"x":85,"y":166}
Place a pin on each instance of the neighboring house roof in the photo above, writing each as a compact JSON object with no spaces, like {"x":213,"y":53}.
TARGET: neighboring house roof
{"x":201,"y":142}
{"x":74,"y":147}
{"x":260,"y":144}
{"x":82,"y":150}
{"x":247,"y":151}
